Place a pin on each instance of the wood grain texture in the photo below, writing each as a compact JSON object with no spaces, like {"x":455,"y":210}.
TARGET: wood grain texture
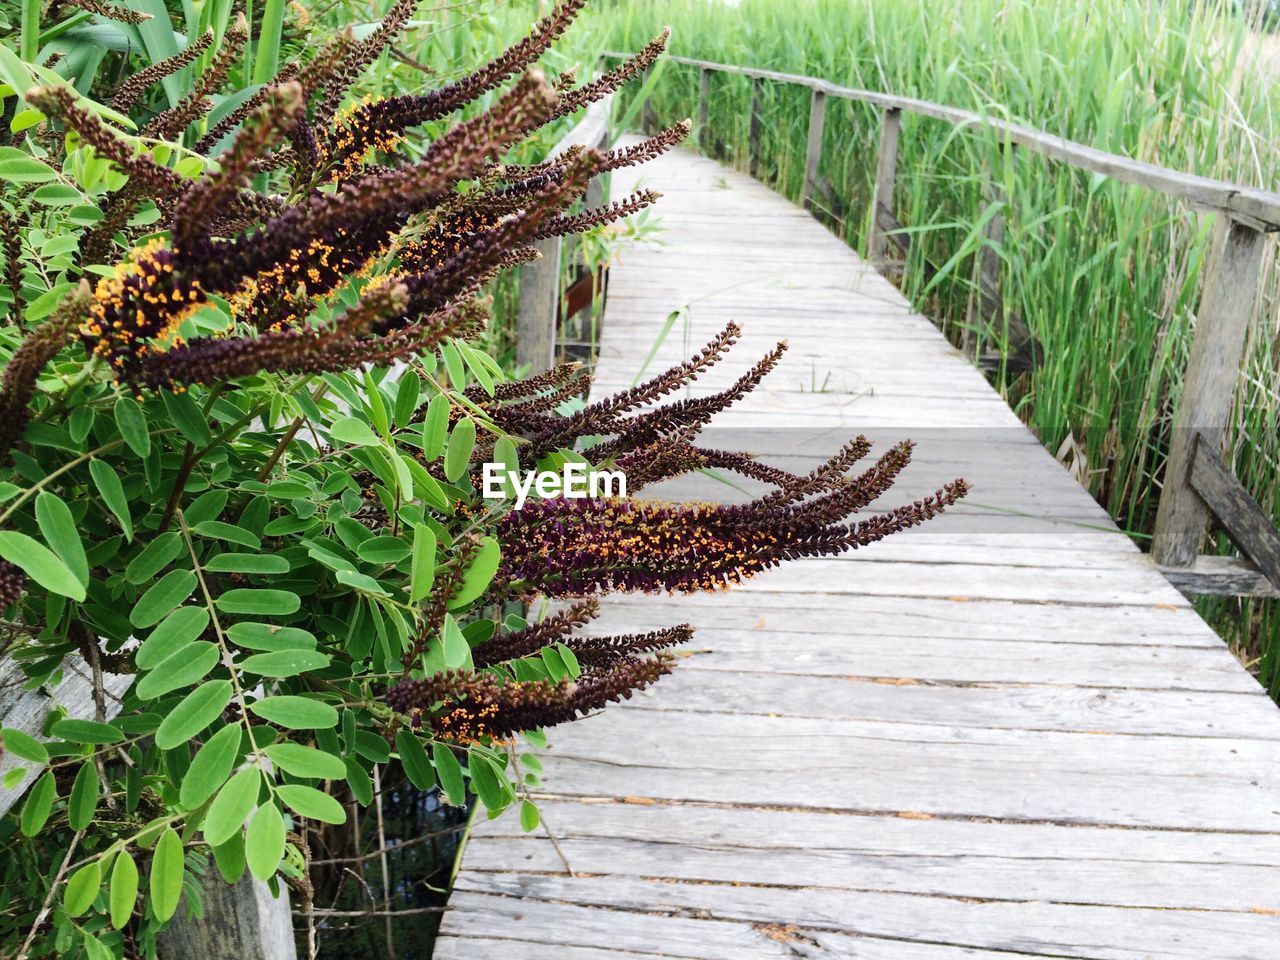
{"x":1208,"y":389}
{"x":1001,"y":735}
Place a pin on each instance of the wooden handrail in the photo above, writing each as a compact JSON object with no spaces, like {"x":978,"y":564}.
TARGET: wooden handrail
{"x":1258,"y":208}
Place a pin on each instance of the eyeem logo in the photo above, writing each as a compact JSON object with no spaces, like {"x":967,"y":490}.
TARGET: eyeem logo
{"x":575,"y":481}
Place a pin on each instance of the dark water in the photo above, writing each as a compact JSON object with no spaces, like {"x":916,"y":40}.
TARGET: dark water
{"x":422,"y":837}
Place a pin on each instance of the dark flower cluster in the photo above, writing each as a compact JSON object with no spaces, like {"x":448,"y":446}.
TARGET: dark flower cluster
{"x":415,"y":239}
{"x":466,"y":707}
{"x":567,"y":548}
{"x":581,"y":548}
{"x":11,"y":582}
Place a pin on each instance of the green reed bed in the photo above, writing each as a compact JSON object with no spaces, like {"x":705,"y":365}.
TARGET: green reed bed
{"x":1107,"y":276}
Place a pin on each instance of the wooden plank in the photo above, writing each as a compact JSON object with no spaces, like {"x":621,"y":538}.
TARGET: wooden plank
{"x":1104,"y":707}
{"x":869,"y":766}
{"x":765,"y":830}
{"x":888,"y":926}
{"x":960,"y":619}
{"x":1208,"y":387}
{"x":882,"y":192}
{"x":1221,"y":577}
{"x":1247,"y":524}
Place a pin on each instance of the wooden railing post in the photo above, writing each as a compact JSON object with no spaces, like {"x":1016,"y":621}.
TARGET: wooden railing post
{"x":648,"y":123}
{"x":538,"y":306}
{"x":704,"y":109}
{"x":987,"y":304}
{"x":753,"y":134}
{"x":813,"y":153}
{"x":882,"y":195}
{"x":1209,"y":386}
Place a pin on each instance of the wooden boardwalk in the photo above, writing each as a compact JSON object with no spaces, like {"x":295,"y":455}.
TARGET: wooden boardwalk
{"x":1001,"y":735}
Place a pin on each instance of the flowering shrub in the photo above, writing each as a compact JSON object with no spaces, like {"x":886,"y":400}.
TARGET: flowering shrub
{"x":242,"y":470}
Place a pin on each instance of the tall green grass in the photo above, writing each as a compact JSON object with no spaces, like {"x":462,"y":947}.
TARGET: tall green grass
{"x":1106,"y":275}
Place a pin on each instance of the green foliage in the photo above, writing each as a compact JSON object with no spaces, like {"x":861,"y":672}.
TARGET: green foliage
{"x":215,"y":543}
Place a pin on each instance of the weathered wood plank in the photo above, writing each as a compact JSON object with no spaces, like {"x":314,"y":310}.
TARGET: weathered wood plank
{"x":889,"y":926}
{"x":1247,"y":524}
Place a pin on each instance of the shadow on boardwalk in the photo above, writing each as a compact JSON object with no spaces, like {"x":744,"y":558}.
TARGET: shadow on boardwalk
{"x":1002,"y":735}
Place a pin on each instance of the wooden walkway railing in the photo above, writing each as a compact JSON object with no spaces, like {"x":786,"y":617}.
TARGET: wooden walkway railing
{"x":1198,"y":486}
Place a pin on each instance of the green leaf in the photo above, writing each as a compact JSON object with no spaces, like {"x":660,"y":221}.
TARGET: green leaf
{"x":217,"y":530}
{"x":407,"y":392}
{"x":162,"y":596}
{"x":210,"y":767}
{"x":354,"y":431}
{"x":111,"y":490}
{"x":83,"y":800}
{"x":453,"y":365}
{"x":423,"y":569}
{"x":59,"y":529}
{"x":360,"y":581}
{"x":187,"y":417}
{"x":39,"y":802}
{"x":295,"y":713}
{"x":182,"y":668}
{"x":230,"y":858}
{"x":471,"y":357}
{"x":462,"y":441}
{"x":383,"y":550}
{"x":264,"y":841}
{"x":132,"y":423}
{"x":40,"y":563}
{"x":450,"y":773}
{"x":77,"y":730}
{"x":284,"y":663}
{"x":529,"y":816}
{"x":312,"y":803}
{"x":267,"y":636}
{"x":435,"y":427}
{"x":175,"y":632}
{"x":197,"y":710}
{"x":25,"y":169}
{"x":124,"y":889}
{"x":457,"y":652}
{"x":414,"y":760}
{"x":232,"y":806}
{"x":82,"y":887}
{"x":207,"y":506}
{"x":259,"y":563}
{"x":166,"y":875}
{"x":56,"y":194}
{"x":491,"y":784}
{"x":265,"y":603}
{"x":157,"y":554}
{"x":504,"y":452}
{"x":300,"y":761}
{"x":478,"y":575}
{"x":23,"y":745}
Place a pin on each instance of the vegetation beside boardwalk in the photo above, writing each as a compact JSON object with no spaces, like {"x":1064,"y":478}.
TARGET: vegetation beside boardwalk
{"x":1107,"y":276}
